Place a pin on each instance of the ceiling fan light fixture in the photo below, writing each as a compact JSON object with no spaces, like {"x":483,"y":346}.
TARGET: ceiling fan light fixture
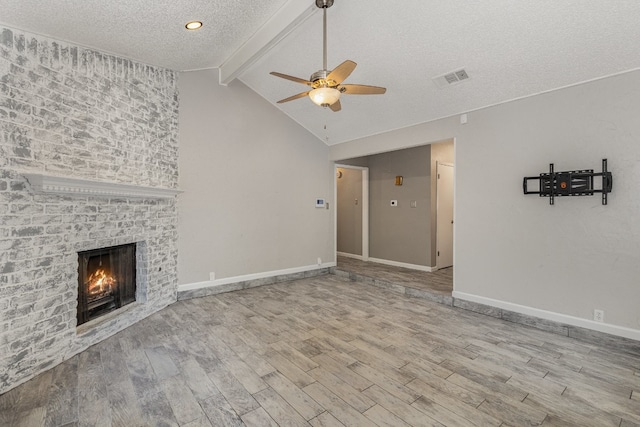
{"x":324,"y":96}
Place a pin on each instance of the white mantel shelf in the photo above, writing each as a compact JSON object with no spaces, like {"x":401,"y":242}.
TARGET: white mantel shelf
{"x":83,"y":187}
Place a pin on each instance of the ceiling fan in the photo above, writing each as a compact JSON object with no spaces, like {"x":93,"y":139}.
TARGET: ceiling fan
{"x":326,"y":87}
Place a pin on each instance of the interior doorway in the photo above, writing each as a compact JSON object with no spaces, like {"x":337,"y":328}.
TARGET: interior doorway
{"x":402,"y":218}
{"x":352,"y":211}
{"x":444,"y":215}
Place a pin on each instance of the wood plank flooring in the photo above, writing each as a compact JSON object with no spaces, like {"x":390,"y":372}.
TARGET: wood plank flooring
{"x":437,"y":282}
{"x":329,"y":352}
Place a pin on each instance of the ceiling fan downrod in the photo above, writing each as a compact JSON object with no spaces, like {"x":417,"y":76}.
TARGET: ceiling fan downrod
{"x":324,"y":5}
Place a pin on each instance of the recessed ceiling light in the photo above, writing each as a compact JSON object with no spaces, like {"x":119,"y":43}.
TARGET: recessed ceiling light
{"x":193,"y":25}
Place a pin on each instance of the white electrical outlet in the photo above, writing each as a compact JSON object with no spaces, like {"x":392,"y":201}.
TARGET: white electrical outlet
{"x":598,"y":315}
{"x":319,"y":261}
{"x":212,"y":276}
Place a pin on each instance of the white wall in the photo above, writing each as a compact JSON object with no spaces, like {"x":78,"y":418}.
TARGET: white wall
{"x":250,"y":177}
{"x":559,"y":262}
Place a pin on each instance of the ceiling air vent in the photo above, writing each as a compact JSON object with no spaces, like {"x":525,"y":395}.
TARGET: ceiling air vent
{"x":451,"y":78}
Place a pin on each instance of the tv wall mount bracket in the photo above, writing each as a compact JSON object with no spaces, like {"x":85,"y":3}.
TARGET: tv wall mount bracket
{"x":570,"y":183}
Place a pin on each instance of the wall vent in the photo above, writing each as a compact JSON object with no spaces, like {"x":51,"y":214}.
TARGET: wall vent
{"x":452,"y":78}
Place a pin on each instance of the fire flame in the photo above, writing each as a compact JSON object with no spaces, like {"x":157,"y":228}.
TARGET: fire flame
{"x":100,"y":282}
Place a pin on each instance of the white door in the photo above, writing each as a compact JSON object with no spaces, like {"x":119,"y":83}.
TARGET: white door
{"x":444,"y":215}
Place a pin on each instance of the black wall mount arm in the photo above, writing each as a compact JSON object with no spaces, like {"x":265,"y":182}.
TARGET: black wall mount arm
{"x":570,"y":183}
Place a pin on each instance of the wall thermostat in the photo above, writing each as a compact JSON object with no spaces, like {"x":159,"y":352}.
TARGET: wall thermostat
{"x":320,"y":203}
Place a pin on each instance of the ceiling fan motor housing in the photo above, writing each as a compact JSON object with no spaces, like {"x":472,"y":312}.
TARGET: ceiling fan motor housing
{"x":323,"y":4}
{"x":319,"y":79}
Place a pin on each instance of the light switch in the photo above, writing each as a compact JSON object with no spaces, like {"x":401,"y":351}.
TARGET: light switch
{"x":414,"y":204}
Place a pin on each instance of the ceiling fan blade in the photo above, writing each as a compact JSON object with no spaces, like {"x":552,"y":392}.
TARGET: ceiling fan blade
{"x":342,"y":71}
{"x":292,"y":78}
{"x":361,"y":90}
{"x":291,"y":98}
{"x":335,"y":107}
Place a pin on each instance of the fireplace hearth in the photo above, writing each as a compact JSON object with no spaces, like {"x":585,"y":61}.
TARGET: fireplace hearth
{"x":106,"y":280}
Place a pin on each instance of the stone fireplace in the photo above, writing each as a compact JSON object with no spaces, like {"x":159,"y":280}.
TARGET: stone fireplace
{"x":88,"y":160}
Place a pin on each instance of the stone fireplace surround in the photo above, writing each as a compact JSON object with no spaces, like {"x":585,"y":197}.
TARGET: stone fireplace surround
{"x":65,"y":186}
{"x":40,"y":293}
{"x":88,"y":159}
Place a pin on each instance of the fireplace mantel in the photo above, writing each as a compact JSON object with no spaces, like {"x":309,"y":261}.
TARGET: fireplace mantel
{"x":83,"y":187}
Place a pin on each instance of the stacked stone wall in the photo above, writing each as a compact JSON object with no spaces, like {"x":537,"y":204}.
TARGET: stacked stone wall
{"x":70,"y":111}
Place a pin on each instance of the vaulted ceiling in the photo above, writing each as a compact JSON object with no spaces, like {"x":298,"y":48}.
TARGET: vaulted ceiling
{"x":509,"y":49}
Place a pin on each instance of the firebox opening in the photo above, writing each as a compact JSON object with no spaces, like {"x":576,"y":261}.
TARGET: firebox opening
{"x":106,"y":280}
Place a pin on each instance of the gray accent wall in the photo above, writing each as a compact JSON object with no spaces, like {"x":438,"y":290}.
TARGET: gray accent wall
{"x":79,"y":113}
{"x":250,"y":177}
{"x":518,"y":252}
{"x":402,"y":233}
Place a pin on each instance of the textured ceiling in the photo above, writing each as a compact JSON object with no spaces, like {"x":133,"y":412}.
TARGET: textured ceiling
{"x":510,"y":49}
{"x":151,"y":31}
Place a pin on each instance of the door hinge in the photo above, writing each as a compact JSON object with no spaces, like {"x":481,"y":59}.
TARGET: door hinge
{"x":438,"y":176}
{"x":438,"y":253}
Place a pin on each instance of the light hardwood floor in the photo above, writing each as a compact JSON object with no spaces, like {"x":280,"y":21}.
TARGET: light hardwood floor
{"x":329,"y":352}
{"x":439,"y":282}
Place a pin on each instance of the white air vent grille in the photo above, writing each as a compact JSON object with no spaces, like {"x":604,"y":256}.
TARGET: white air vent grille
{"x":451,"y":78}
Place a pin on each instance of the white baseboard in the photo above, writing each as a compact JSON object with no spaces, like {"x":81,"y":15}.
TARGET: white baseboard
{"x":606,"y":328}
{"x":254,"y":276}
{"x":348,"y":255}
{"x":404,"y":265}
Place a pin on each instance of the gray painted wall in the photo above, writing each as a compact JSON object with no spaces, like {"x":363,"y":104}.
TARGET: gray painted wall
{"x":401,"y":233}
{"x":75,"y":112}
{"x":250,"y":178}
{"x":349,"y":205}
{"x":560,"y":262}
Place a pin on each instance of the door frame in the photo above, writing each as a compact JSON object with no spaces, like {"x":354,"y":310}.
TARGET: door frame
{"x":365,"y":210}
{"x":453,"y":170}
